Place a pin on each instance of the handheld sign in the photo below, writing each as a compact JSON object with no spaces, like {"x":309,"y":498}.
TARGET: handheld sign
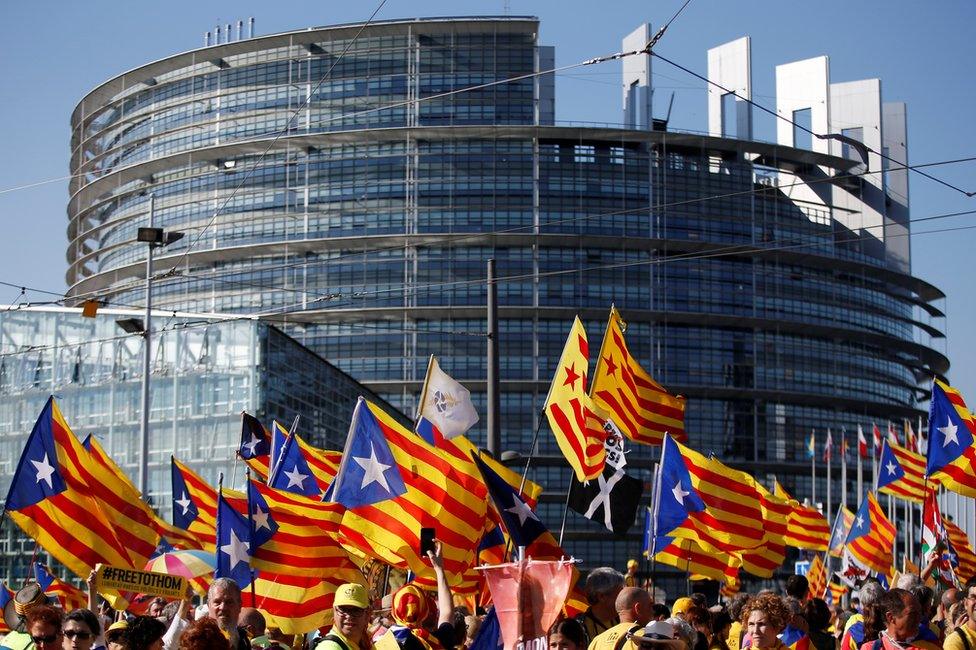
{"x":144,"y":582}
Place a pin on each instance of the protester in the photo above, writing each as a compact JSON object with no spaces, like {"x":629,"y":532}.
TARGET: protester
{"x":43,"y":626}
{"x":955,"y":617}
{"x":156,"y":606}
{"x":633,"y":609}
{"x":856,"y":632}
{"x":721,"y":626}
{"x":681,"y":606}
{"x":567,"y":634}
{"x":351,"y":618}
{"x":683,"y":632}
{"x":818,"y":615}
{"x":700,"y":621}
{"x":144,"y":633}
{"x":115,"y":635}
{"x":204,"y":634}
{"x":254,"y":626}
{"x":224,"y":606}
{"x":630,"y":578}
{"x":601,"y":588}
{"x":24,"y":601}
{"x":764,"y":617}
{"x":963,"y":635}
{"x":901,"y":614}
{"x":797,"y":587}
{"x":661,"y":612}
{"x":80,"y":629}
{"x":737,"y":629}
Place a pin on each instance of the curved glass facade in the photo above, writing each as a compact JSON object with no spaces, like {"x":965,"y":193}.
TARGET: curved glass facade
{"x":363,"y":229}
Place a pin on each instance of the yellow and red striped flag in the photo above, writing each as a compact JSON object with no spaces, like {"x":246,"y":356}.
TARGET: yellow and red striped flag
{"x":834,"y":594}
{"x":68,"y":596}
{"x":690,"y":556}
{"x":901,"y":473}
{"x":871,"y":540}
{"x":135,"y":513}
{"x":574,"y":419}
{"x":965,"y":564}
{"x":393,"y":483}
{"x":806,"y":527}
{"x":817,"y":576}
{"x":770,"y":555}
{"x":729,"y":589}
{"x":195,"y":504}
{"x":640,"y":407}
{"x":51,"y":502}
{"x":701,"y":499}
{"x":952,"y":440}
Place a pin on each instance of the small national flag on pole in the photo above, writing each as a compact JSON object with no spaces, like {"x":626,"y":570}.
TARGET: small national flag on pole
{"x":876,"y":435}
{"x":612,"y":499}
{"x":828,"y":446}
{"x":862,"y":443}
{"x":892,"y":434}
{"x":812,"y":445}
{"x":572,"y":415}
{"x":911,"y":440}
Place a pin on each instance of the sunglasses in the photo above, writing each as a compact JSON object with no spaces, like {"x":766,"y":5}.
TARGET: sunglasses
{"x":38,"y":640}
{"x":77,"y":634}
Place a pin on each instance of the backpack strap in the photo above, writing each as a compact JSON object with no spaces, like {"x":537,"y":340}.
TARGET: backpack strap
{"x":336,"y":640}
{"x":964,"y":637}
{"x":624,"y":637}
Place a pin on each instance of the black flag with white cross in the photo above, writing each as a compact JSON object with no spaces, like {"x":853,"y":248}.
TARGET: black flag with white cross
{"x":611,"y":499}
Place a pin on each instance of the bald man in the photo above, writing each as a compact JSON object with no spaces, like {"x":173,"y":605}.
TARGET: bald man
{"x":635,"y":609}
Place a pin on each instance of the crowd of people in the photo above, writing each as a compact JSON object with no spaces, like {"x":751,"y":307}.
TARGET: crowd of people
{"x":622,"y":615}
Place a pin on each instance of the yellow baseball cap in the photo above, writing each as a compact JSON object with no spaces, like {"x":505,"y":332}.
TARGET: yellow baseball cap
{"x":351,"y":594}
{"x":682,"y":605}
{"x":631,"y":564}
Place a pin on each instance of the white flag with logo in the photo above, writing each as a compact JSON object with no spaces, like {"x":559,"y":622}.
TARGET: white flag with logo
{"x":446,"y":403}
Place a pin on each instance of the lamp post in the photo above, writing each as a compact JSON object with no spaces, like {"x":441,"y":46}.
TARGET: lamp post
{"x":154,"y":238}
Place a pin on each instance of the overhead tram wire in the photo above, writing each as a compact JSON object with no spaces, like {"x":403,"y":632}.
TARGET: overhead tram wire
{"x":728,"y":251}
{"x":187,"y":277}
{"x":268,"y":316}
{"x":819,"y":136}
{"x":204,"y":276}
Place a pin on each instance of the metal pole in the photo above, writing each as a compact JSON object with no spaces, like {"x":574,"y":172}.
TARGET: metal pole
{"x":146,"y":359}
{"x":494,"y":402}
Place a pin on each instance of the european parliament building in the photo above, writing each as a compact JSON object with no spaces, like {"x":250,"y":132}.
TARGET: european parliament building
{"x":349,"y":187}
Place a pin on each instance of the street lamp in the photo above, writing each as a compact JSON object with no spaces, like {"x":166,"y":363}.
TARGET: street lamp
{"x":155,"y":238}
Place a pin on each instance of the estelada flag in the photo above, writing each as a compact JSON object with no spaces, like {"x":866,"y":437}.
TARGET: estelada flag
{"x":872,"y":537}
{"x":576,"y":422}
{"x":901,"y":473}
{"x":640,"y":407}
{"x":51,"y":502}
{"x":807,"y":528}
{"x":951,"y":455}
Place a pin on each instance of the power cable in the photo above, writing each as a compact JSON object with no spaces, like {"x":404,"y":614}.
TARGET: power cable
{"x":828,"y":136}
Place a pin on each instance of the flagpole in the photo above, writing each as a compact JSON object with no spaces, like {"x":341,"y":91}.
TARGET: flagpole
{"x":569,"y":490}
{"x":860,"y":463}
{"x":843,"y":467}
{"x":830,"y":476}
{"x":423,"y":393}
{"x":813,"y":469}
{"x":250,"y":526}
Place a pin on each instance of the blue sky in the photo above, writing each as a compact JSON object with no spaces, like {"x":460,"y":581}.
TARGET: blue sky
{"x":52,"y":53}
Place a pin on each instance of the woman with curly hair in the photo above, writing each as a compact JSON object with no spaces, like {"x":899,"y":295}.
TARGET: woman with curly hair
{"x":204,"y":634}
{"x":764,"y":617}
{"x":144,"y":633}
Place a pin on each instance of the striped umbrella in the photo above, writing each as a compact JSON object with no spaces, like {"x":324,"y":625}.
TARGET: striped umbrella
{"x":195,"y":566}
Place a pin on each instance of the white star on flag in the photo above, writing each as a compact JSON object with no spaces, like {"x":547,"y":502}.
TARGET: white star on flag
{"x":890,"y":467}
{"x":521,"y":510}
{"x":296,"y":478}
{"x":949,"y":431}
{"x":252,"y":445}
{"x":260,"y":518}
{"x":44,"y":471}
{"x":236,"y":550}
{"x":184,"y":503}
{"x":679,"y":494}
{"x":860,"y":521}
{"x":373,"y":470}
